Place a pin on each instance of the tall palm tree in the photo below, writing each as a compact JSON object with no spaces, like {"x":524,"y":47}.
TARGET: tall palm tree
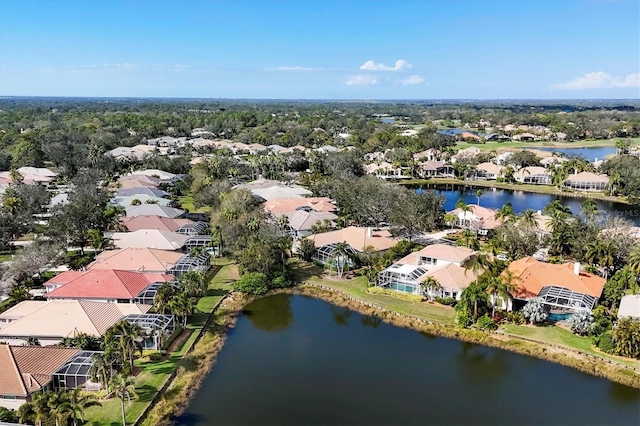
{"x":614,"y":182}
{"x":556,"y":206}
{"x":472,"y":296}
{"x":450,"y":219}
{"x":181,"y":306}
{"x":19,"y":293}
{"x":283,"y":223}
{"x":101,"y":369}
{"x":429,"y":286}
{"x":123,"y":388}
{"x":125,"y":334}
{"x":194,"y":283}
{"x":469,"y":239}
{"x":634,"y":260}
{"x":40,"y":406}
{"x":165,"y":293}
{"x":502,"y":287}
{"x":340,"y":256}
{"x":528,"y":218}
{"x":476,"y":263}
{"x":478,"y":195}
{"x":57,"y":402}
{"x":505,"y":212}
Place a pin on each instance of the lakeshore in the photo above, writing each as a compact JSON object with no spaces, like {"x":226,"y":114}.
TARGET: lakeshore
{"x":534,"y":189}
{"x":506,"y":146}
{"x":176,"y":397}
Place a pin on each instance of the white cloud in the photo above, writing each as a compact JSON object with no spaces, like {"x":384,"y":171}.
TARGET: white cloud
{"x":599,"y":80}
{"x":400,"y":65}
{"x":297,"y":68}
{"x":411,"y":80}
{"x":361,"y":80}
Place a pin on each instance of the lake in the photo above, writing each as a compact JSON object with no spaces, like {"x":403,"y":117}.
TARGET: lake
{"x":496,"y":198}
{"x":293,"y":360}
{"x":592,"y":154}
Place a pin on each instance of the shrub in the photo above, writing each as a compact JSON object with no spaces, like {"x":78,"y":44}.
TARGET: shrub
{"x":155,"y":356}
{"x":581,"y":322}
{"x":605,"y":342}
{"x":534,"y":312}
{"x":252,"y":283}
{"x":463,"y":318}
{"x":449,"y":301}
{"x":499,"y":317}
{"x":280,"y":282}
{"x":486,"y":323}
{"x":515,"y":317}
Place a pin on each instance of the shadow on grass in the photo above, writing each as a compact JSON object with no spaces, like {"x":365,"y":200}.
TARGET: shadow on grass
{"x":216,"y":291}
{"x":304,"y":271}
{"x":146,"y":393}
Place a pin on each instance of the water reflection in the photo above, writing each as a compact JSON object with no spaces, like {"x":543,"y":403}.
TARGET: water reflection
{"x":341,"y":315}
{"x":371,"y":321}
{"x":273,"y":314}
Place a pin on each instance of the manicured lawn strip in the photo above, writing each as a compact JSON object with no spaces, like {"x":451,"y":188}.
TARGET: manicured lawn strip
{"x":188,"y":204}
{"x":543,"y":144}
{"x":357,"y":287}
{"x":153,"y":375}
{"x":560,"y":336}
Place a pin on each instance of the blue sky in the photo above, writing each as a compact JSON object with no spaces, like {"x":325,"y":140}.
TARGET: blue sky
{"x":479,"y":49}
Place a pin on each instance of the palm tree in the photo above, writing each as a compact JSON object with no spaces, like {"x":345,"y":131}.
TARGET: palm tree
{"x":602,"y":254}
{"x":182,"y":306}
{"x":528,"y":218}
{"x":556,"y":206}
{"x":125,"y":334}
{"x":340,"y":256}
{"x":283,"y":223}
{"x":58,"y":407}
{"x":429,"y":286}
{"x":165,"y":293}
{"x":471,"y":296}
{"x":284,"y":245}
{"x":476,"y":264}
{"x":101,"y":369}
{"x":122,"y":387}
{"x":502,"y":287}
{"x":505,"y":212}
{"x":194,"y":283}
{"x":40,"y":406}
{"x":469,"y":239}
{"x":18,"y":293}
{"x":478,"y":195}
{"x":614,"y":182}
{"x":450,"y":219}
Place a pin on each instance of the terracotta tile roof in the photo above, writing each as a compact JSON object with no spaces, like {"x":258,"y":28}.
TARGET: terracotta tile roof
{"x":532,"y":171}
{"x":451,"y":276}
{"x":102,"y":284}
{"x":490,"y":168}
{"x":22,"y":309}
{"x":151,"y":238}
{"x":67,"y":318}
{"x":485,"y":215}
{"x":137,"y":259}
{"x":276,"y":192}
{"x":438,"y":251}
{"x":153,"y":222}
{"x":282,"y":205}
{"x":587,"y":177}
{"x":301,"y":220}
{"x":534,"y":275}
{"x":358,"y":238}
{"x":153,"y":210}
{"x":30,"y":368}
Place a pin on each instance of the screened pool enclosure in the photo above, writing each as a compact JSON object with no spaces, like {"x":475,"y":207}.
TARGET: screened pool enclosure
{"x":563,"y":298}
{"x":157,"y":328}
{"x":327,"y":254}
{"x":75,"y":372}
{"x":403,"y":278}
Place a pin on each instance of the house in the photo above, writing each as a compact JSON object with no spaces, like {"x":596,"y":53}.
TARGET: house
{"x":630,"y":306}
{"x":357,"y":239}
{"x":155,"y":222}
{"x":553,"y":161}
{"x":142,"y":259}
{"x":283,"y":205}
{"x":524,"y":137}
{"x":430,"y":154}
{"x":386,"y":171}
{"x":466,"y":154}
{"x":564,"y":288}
{"x":586,"y":181}
{"x":138,"y":199}
{"x":153,"y":210}
{"x":436,"y":169}
{"x":26,"y":370}
{"x":440,"y":261}
{"x":501,"y":159}
{"x":130,"y":181}
{"x":301,"y":222}
{"x":328,"y":148}
{"x":255,"y":148}
{"x":31,"y":175}
{"x":280,"y":191}
{"x":141,"y":190}
{"x":533,"y":175}
{"x":478,"y":218}
{"x":151,"y":238}
{"x":106,"y":285}
{"x":488,"y":171}
{"x":53,"y":320}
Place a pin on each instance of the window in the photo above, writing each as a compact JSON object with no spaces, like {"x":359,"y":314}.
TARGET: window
{"x":428,"y":260}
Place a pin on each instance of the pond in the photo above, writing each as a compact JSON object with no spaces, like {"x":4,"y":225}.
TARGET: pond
{"x":496,"y":198}
{"x":592,"y":154}
{"x":293,"y":360}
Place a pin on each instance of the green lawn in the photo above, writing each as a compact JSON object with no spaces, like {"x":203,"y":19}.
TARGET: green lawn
{"x":188,"y":204}
{"x":357,"y":287}
{"x":539,"y":144}
{"x":560,"y":336}
{"x":153,"y":375}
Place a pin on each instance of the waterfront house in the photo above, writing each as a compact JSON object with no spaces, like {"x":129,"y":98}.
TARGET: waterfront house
{"x":430,"y":169}
{"x":53,"y":320}
{"x":27,"y":370}
{"x":480,"y":219}
{"x":385,"y":171}
{"x":440,"y":261}
{"x":357,"y":239}
{"x":487,"y":171}
{"x":586,"y":181}
{"x":564,"y":288}
{"x":104,"y":285}
{"x":533,"y":175}
{"x":283,"y":205}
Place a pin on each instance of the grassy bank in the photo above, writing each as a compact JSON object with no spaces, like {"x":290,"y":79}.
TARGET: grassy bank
{"x":536,"y":189}
{"x":543,"y":144}
{"x":154,"y":375}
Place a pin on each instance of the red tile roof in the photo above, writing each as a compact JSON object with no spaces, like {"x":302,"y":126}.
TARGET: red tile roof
{"x":534,"y":275}
{"x":153,"y":222}
{"x":102,"y":284}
